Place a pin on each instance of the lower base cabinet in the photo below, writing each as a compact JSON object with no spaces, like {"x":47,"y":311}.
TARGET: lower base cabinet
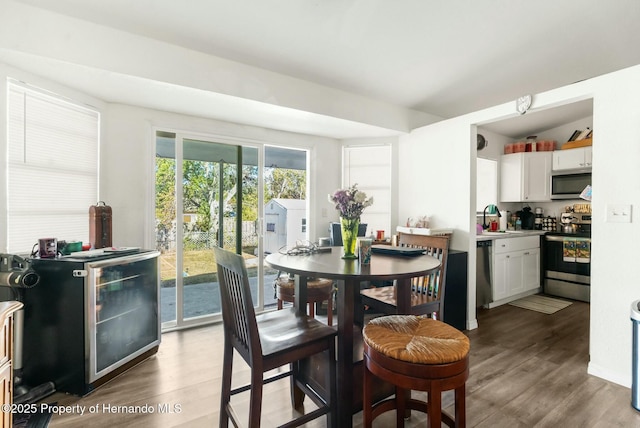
{"x":7,"y":310}
{"x":516,"y":267}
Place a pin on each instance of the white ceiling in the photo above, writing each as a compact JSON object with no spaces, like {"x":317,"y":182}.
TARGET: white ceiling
{"x":441,"y":57}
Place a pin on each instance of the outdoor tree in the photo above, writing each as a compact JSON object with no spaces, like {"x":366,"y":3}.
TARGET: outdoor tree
{"x":285,"y":183}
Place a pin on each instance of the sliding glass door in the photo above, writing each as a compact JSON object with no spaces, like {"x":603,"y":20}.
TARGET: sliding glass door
{"x":217,"y":201}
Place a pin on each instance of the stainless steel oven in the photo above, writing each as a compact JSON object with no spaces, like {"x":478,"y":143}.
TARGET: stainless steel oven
{"x":567,"y":265}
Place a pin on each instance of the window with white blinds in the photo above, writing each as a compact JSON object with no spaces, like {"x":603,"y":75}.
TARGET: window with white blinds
{"x":370,"y":168}
{"x":52,"y":165}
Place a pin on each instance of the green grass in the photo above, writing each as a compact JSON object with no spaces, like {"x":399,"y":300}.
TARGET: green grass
{"x":199,"y":266}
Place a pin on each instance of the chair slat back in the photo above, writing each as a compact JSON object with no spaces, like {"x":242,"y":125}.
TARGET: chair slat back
{"x":238,"y":315}
{"x":437,"y":246}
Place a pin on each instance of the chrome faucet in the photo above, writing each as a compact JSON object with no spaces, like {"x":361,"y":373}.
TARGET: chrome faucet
{"x":484,"y":215}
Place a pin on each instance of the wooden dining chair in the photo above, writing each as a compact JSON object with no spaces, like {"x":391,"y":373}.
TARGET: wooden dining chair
{"x":427,"y":292}
{"x":266,"y":342}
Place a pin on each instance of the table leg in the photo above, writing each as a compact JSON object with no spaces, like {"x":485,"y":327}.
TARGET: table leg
{"x":346,"y":303}
{"x":403,"y":306}
{"x":300,"y":294}
{"x":403,"y":296}
{"x":300,"y":303}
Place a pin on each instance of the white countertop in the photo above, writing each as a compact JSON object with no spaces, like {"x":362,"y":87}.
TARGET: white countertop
{"x":509,"y":234}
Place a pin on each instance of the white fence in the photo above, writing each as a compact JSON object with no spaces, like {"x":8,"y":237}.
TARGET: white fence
{"x":207,"y":240}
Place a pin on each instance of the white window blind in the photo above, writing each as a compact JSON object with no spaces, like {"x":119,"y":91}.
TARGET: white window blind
{"x":370,"y":168}
{"x":52,"y":165}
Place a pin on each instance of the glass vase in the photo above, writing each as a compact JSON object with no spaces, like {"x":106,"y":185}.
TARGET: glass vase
{"x":349,"y":228}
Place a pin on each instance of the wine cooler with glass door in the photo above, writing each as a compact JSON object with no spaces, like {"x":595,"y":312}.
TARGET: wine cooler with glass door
{"x":90,"y":318}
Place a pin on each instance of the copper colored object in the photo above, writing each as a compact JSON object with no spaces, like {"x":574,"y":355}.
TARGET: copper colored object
{"x":100,"y":224}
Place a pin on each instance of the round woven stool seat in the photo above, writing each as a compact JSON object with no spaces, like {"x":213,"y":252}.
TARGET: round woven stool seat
{"x":318,"y":290}
{"x":415,"y":353}
{"x":416,"y":340}
{"x":286,"y":282}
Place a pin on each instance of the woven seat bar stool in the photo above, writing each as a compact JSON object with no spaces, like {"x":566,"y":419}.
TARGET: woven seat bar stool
{"x":318,"y":290}
{"x":415,"y":353}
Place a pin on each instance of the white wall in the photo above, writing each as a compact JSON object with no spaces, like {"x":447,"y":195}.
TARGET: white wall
{"x":128,"y":158}
{"x":445,"y":149}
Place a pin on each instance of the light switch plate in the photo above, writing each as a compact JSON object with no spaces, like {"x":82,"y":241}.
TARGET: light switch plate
{"x":618,"y":213}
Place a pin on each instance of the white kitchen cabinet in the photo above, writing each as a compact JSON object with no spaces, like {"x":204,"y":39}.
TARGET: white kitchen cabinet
{"x":516,"y":268}
{"x":524,"y":177}
{"x":577,"y":158}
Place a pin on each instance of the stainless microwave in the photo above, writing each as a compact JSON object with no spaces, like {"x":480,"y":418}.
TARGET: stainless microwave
{"x":569,"y":184}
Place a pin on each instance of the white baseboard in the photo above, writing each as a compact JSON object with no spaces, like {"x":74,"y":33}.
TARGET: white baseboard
{"x":615,"y":377}
{"x":472,"y":324}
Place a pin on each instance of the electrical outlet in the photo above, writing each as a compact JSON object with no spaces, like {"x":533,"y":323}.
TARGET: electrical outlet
{"x":618,"y":213}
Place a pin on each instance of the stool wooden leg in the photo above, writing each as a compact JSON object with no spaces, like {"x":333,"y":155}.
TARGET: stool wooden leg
{"x":312,"y":310}
{"x":460,"y":405}
{"x":279,"y":304}
{"x":401,"y":409}
{"x":434,"y":406}
{"x":330,"y":311}
{"x":367,"y":398}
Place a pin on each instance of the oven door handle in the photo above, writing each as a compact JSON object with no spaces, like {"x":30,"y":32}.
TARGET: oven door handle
{"x":560,"y":238}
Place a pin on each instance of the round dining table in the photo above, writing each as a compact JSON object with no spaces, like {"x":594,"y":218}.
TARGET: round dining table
{"x":349,"y":275}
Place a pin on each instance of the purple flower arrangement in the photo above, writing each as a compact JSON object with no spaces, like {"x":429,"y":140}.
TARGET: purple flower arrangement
{"x":350,"y":202}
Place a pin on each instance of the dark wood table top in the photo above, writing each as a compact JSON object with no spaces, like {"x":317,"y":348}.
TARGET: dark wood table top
{"x":332,"y":265}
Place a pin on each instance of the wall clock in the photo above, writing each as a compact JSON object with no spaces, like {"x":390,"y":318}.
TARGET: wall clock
{"x":482,"y":142}
{"x":523,"y":103}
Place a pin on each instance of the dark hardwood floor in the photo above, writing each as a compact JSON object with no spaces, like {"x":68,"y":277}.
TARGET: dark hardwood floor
{"x":527,"y":370}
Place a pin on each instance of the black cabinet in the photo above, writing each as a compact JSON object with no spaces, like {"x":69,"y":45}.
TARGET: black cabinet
{"x":455,"y":294}
{"x":90,"y":319}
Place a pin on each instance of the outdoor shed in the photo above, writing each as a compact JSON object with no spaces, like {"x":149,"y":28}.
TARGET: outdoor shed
{"x":286,"y":223}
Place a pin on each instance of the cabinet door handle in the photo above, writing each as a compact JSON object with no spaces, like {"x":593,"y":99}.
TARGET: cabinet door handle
{"x":507,"y":257}
{"x":527,"y":253}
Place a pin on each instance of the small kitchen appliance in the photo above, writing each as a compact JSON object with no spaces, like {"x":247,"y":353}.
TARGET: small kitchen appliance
{"x":567,"y":221}
{"x":48,"y":248}
{"x":526,"y":218}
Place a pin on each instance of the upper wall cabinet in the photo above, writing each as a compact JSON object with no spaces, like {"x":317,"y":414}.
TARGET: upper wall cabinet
{"x":525,"y":177}
{"x":572,"y":158}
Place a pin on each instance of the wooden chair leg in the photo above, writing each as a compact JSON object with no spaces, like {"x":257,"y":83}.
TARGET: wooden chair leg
{"x":330,"y":310}
{"x":297,"y":395}
{"x":279,"y":304}
{"x":255,"y":400}
{"x":225,"y":396}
